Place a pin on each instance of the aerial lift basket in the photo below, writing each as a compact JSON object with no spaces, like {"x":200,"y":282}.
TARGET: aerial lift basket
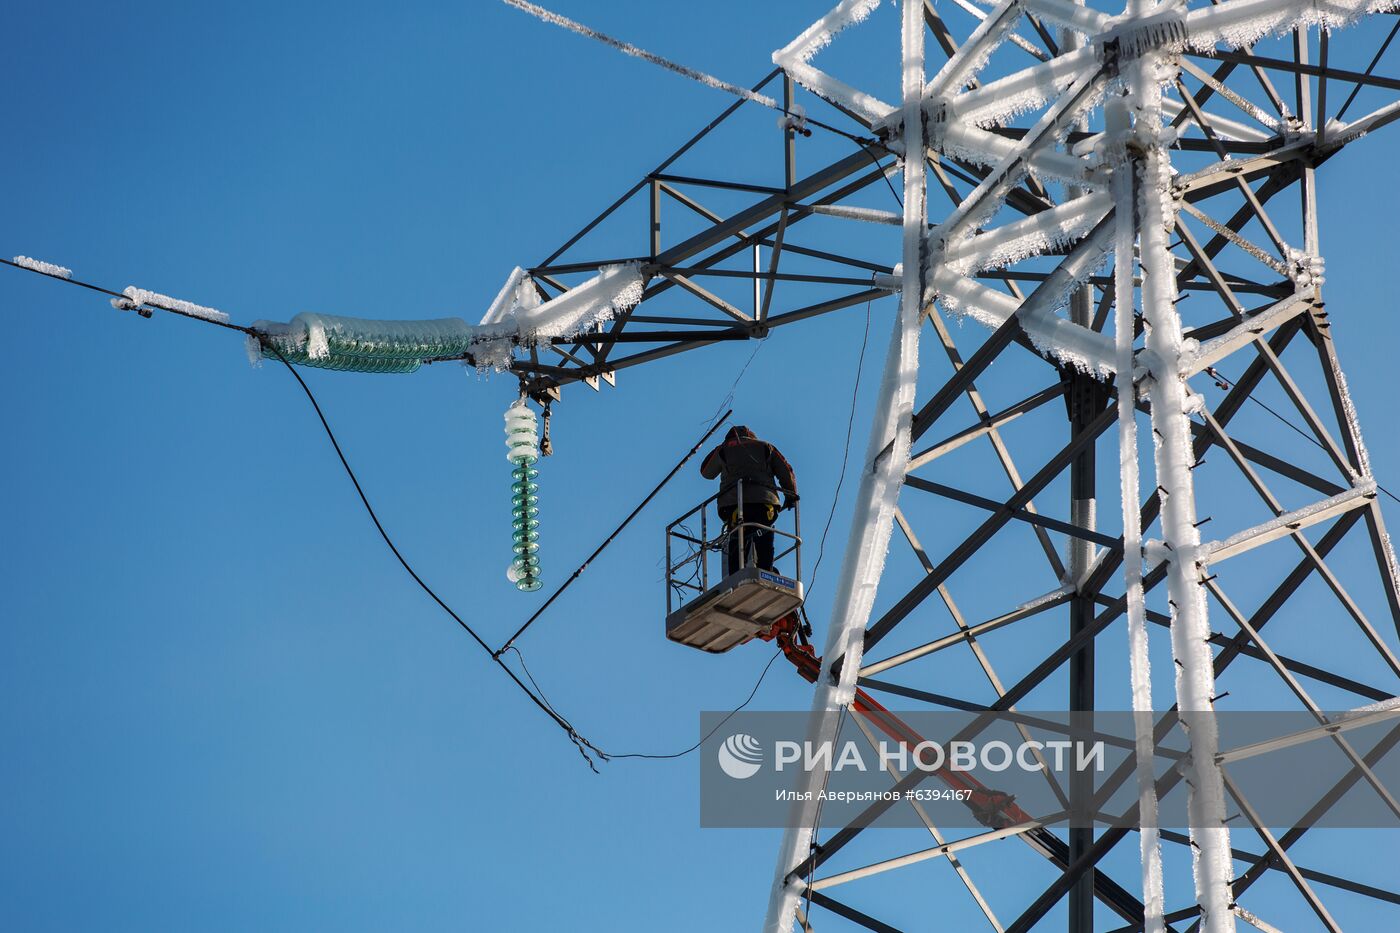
{"x":713,"y":607}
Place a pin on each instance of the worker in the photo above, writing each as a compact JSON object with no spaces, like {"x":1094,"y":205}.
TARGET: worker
{"x":754,"y":470}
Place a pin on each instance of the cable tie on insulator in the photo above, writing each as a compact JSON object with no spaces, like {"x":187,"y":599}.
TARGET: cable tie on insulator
{"x":1205,"y":580}
{"x":1202,"y":521}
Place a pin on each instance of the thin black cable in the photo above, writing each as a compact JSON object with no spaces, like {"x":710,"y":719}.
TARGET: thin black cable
{"x":610,"y":538}
{"x":883,"y":174}
{"x":714,"y":419}
{"x":531,"y":677}
{"x":1230,"y":384}
{"x":732,"y":713}
{"x":846,"y":453}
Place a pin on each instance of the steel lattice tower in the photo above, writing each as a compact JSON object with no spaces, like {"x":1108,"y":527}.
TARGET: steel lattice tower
{"x":1070,"y":178}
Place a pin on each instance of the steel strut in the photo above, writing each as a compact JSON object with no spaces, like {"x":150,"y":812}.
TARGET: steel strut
{"x":992,"y":808}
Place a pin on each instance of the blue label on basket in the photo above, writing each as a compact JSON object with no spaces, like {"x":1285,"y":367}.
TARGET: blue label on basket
{"x":774,"y":578}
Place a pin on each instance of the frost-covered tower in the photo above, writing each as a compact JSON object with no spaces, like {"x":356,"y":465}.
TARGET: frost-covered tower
{"x":1121,"y":204}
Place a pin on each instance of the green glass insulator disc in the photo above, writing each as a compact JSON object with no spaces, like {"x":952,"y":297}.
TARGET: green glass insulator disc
{"x":525,"y":524}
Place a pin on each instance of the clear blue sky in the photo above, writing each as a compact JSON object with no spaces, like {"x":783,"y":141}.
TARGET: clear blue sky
{"x":222,"y":704}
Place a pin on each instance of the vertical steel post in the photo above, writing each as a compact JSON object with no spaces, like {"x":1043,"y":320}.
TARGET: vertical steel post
{"x":655,"y":218}
{"x":1170,"y":399}
{"x":789,"y":139}
{"x":1082,"y":508}
{"x":881,"y":479}
{"x":1083,"y":408}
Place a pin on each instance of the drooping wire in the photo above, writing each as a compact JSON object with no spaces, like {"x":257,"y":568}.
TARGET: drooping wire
{"x":537,"y":696}
{"x":732,"y":713}
{"x":582,"y":744}
{"x":845,"y":454}
{"x":729,"y":397}
{"x":883,"y":174}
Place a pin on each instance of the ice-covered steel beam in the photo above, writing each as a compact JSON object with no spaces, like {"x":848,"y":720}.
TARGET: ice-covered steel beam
{"x":1053,"y":336}
{"x":1287,"y":523}
{"x":1242,"y":22}
{"x":1027,"y":89}
{"x":1207,"y":354}
{"x":1068,"y":13}
{"x":881,"y":480}
{"x":795,"y":59}
{"x":1146,"y":156}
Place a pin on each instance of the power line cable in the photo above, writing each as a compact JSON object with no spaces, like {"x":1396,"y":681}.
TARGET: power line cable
{"x":149,"y":300}
{"x":537,"y":696}
{"x":584,"y":746}
{"x":715,"y":418}
{"x":883,"y":173}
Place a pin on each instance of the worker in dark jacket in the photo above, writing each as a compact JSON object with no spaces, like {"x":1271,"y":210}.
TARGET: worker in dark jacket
{"x":756,"y":470}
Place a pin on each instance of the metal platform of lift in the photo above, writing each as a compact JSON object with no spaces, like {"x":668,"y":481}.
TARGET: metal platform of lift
{"x":740,"y":607}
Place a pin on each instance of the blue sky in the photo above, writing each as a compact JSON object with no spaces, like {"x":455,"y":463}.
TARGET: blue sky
{"x":224,"y":705}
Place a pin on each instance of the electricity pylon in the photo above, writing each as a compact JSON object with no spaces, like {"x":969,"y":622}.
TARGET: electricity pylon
{"x":1099,"y":170}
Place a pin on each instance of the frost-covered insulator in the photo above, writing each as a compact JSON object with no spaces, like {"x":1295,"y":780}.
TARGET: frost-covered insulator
{"x":523,"y":449}
{"x":522,"y":434}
